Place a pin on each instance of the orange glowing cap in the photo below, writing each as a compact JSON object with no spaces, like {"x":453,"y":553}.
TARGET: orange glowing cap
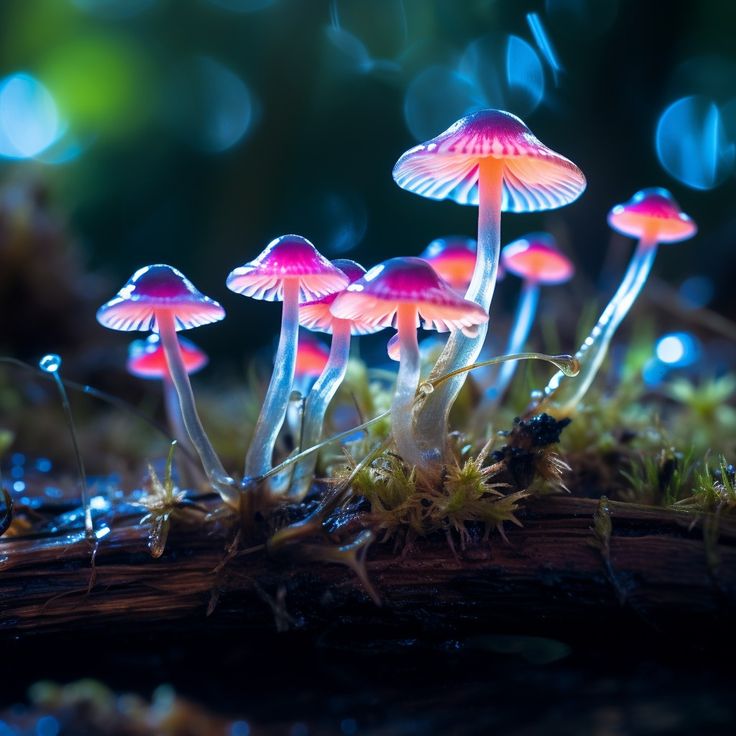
{"x":653,"y":213}
{"x":146,"y":358}
{"x":446,"y":167}
{"x":536,"y":257}
{"x":453,"y":257}
{"x":311,"y":356}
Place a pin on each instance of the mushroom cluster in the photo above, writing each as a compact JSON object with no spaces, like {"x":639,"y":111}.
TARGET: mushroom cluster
{"x":489,"y":159}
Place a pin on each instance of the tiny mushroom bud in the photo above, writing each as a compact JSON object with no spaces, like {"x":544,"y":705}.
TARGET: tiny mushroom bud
{"x":536,"y":259}
{"x":290,"y":269}
{"x":316,"y":315}
{"x":161,"y":299}
{"x":453,"y":258}
{"x":402,"y":292}
{"x":653,"y":216}
{"x":489,"y":159}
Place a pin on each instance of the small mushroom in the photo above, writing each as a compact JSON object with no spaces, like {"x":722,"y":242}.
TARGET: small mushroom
{"x":453,"y":258}
{"x":159,"y":298}
{"x":536,"y":259}
{"x":316,"y":315}
{"x":401,"y":292}
{"x":290,"y":269}
{"x":653,"y":216}
{"x":492,"y":160}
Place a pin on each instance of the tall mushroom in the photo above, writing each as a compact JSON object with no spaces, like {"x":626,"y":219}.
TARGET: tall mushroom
{"x":316,"y":315}
{"x":492,"y":160}
{"x":401,"y":292}
{"x":159,"y":298}
{"x":653,"y":216}
{"x":536,"y":259}
{"x":290,"y":269}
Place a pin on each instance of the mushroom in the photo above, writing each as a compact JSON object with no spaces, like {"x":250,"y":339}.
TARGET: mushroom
{"x":536,"y":259}
{"x":653,"y":216}
{"x":316,"y":315}
{"x":290,"y":269}
{"x":453,"y":258}
{"x":159,"y":298}
{"x":400,"y":292}
{"x":492,"y":160}
{"x":146,"y":359}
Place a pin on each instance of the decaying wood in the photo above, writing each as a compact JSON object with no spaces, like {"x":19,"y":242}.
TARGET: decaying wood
{"x":572,"y":563}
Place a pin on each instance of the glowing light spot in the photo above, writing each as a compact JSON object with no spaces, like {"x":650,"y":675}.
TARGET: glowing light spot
{"x":209,"y":105}
{"x":240,"y":728}
{"x":29,"y":118}
{"x":692,"y":145}
{"x":19,"y":486}
{"x":47,"y":726}
{"x":697,"y":291}
{"x":507,"y":70}
{"x":43,"y":465}
{"x":436,"y":98}
{"x":50,"y":363}
{"x":678,"y":349}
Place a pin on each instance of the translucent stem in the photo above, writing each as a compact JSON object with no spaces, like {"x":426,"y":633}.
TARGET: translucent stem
{"x":407,"y":381}
{"x":273,"y":412}
{"x":318,"y":400}
{"x":522,"y":325}
{"x":210,"y":461}
{"x":563,"y":394}
{"x":431,"y":419}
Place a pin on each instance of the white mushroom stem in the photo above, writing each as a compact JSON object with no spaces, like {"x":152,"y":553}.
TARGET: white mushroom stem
{"x":180,"y":378}
{"x":431,"y":422}
{"x":406,"y":387}
{"x":563,"y":394}
{"x":318,"y":400}
{"x":259,"y":457}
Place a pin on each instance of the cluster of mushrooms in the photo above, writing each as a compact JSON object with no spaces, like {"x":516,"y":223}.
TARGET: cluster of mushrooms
{"x":489,"y":159}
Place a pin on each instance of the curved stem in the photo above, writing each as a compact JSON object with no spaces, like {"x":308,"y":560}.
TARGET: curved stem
{"x":210,"y":461}
{"x":260,"y":453}
{"x":563,"y":394}
{"x":522,"y":325}
{"x":431,"y":419}
{"x":402,"y":426}
{"x":318,"y":400}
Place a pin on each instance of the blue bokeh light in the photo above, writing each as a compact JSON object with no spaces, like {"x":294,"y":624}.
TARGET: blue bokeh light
{"x":678,"y":349}
{"x":692,"y":145}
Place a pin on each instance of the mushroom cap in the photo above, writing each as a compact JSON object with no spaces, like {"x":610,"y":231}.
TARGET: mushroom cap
{"x":453,"y":257}
{"x":446,"y":167}
{"x":376,"y":296}
{"x":311,"y":356}
{"x":316,"y":315}
{"x":146,"y":358}
{"x":153,"y":289}
{"x":287,"y":257}
{"x":535,"y":257}
{"x":653,"y":212}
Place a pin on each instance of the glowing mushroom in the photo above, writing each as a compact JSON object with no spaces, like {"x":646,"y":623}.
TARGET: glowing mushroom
{"x":160,"y":299}
{"x":316,"y":315}
{"x":401,"y":292}
{"x":453,"y":258}
{"x":537,"y":260}
{"x":492,"y":160}
{"x":653,"y":216}
{"x":290,"y":269}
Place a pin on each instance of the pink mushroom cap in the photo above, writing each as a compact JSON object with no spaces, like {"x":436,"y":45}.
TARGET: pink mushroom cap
{"x":536,"y":258}
{"x":653,"y":213}
{"x":287,"y":257}
{"x":156,"y":288}
{"x":316,"y":315}
{"x":446,"y":167}
{"x":146,"y":358}
{"x":376,"y":296}
{"x":453,"y":257}
{"x":311,"y":356}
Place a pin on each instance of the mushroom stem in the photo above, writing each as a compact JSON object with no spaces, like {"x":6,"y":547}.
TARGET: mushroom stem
{"x":563,"y":394}
{"x":523,"y":320}
{"x":406,"y":386}
{"x":259,"y":457}
{"x":318,"y":400}
{"x":432,"y":417}
{"x":180,"y":378}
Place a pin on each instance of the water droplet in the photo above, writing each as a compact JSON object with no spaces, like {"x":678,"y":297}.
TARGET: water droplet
{"x":50,"y":363}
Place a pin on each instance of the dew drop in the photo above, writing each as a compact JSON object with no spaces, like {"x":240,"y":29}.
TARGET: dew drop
{"x":50,"y":363}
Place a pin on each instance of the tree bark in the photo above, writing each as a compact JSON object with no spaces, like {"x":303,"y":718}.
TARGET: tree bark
{"x":657,"y":568}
